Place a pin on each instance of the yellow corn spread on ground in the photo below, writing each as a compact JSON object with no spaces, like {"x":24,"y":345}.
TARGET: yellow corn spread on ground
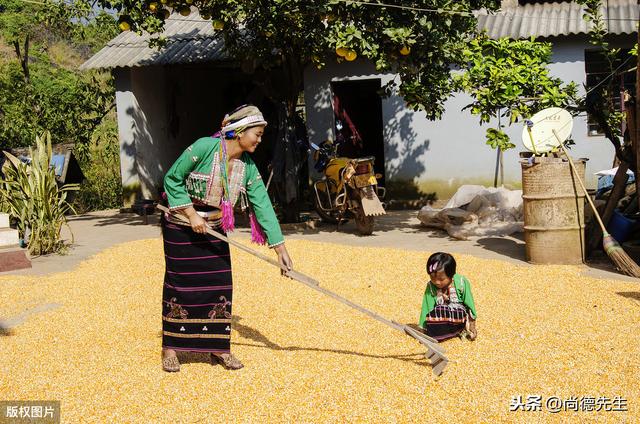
{"x":543,"y":330}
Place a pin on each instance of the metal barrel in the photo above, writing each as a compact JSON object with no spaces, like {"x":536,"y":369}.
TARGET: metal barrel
{"x":553,"y":211}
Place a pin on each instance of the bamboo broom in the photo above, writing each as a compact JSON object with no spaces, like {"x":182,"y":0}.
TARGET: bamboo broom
{"x":621,"y":260}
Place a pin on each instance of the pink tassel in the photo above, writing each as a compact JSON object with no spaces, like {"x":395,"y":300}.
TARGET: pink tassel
{"x":257,"y":234}
{"x":228,"y":220}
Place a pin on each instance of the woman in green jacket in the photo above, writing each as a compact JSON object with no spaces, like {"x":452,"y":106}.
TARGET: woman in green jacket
{"x":208,"y":179}
{"x":447,"y":306}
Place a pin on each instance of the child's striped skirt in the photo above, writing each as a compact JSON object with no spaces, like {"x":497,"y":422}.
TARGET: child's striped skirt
{"x":446,"y":321}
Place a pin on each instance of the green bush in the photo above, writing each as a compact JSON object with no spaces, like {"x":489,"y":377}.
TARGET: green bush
{"x":100,"y":163}
{"x":30,"y":194}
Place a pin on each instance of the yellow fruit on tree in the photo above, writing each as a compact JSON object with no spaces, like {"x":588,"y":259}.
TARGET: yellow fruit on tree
{"x":351,"y":56}
{"x":342,"y":51}
{"x":189,"y":1}
{"x":185,"y":10}
{"x":205,"y":16}
{"x":153,"y":7}
{"x":218,"y":24}
{"x":164,"y":1}
{"x":124,"y":26}
{"x":166,"y":13}
{"x":405,"y":50}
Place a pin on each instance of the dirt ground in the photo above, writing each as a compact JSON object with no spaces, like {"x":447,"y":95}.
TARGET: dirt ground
{"x":97,"y":231}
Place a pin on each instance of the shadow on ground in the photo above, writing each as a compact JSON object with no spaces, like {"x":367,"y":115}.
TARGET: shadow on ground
{"x":117,"y":219}
{"x":631,"y":295}
{"x":262,"y":341}
{"x":505,"y":246}
{"x":404,"y":221}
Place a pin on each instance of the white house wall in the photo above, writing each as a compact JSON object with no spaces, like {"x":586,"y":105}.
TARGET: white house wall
{"x":141,"y":110}
{"x":439,"y":156}
{"x":162,"y":110}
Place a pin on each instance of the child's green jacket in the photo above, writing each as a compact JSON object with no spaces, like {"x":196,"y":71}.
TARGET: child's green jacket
{"x":463,"y":290}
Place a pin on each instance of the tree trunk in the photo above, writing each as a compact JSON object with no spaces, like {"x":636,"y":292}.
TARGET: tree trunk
{"x":289,"y":153}
{"x":23,"y":57}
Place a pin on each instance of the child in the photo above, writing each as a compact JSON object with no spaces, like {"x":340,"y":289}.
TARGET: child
{"x":447,"y":306}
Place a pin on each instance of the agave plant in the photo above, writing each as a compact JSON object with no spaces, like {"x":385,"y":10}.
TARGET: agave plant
{"x":30,"y":194}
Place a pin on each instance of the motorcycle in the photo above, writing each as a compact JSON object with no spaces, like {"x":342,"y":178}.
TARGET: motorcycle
{"x":348,"y":188}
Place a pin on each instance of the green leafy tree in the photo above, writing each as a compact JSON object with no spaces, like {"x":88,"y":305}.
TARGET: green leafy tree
{"x":510,"y":79}
{"x":41,"y":47}
{"x":600,"y":104}
{"x":416,"y":39}
{"x":39,"y":92}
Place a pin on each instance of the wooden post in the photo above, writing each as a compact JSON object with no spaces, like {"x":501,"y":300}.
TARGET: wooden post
{"x":495,"y":176}
{"x":594,"y":236}
{"x":636,"y":139}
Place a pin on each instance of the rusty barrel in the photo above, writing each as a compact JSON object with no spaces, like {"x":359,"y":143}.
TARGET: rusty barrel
{"x":553,"y":211}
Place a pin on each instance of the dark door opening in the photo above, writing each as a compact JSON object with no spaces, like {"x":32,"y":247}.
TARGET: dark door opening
{"x":358,"y":113}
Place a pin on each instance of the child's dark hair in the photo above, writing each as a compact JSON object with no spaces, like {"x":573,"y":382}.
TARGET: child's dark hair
{"x":441,"y":261}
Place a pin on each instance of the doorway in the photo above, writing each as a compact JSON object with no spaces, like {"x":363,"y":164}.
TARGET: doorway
{"x":357,"y":108}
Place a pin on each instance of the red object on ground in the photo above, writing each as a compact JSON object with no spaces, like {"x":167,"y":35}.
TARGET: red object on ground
{"x":11,"y":260}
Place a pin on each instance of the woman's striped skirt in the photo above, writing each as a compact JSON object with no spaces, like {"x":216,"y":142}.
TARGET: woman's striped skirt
{"x":198,"y":291}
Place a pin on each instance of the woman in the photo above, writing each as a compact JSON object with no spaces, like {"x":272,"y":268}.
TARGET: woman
{"x":204,"y":184}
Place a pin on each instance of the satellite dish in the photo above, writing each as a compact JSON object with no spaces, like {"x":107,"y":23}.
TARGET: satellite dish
{"x":537,"y":134}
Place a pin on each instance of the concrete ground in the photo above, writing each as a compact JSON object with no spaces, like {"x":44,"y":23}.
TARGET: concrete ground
{"x":97,"y":231}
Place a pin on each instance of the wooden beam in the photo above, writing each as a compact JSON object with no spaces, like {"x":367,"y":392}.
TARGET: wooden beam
{"x":636,"y":139}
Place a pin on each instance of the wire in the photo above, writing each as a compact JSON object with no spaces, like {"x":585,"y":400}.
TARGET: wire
{"x":420,"y":9}
{"x":609,"y":76}
{"x":36,"y":2}
{"x":463,"y":13}
{"x":397,"y":6}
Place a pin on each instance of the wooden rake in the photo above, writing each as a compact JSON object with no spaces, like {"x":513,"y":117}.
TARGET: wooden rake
{"x":435,"y":353}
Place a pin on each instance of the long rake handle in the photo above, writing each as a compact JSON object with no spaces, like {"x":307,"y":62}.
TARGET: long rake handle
{"x":292,"y":274}
{"x":10,"y":323}
{"x":310,"y":282}
{"x":575,"y":172}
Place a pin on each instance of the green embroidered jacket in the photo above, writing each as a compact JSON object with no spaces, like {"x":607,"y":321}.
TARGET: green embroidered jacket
{"x":463,"y":290}
{"x":196,"y":177}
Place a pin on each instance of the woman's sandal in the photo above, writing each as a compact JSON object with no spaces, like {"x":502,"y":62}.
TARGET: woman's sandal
{"x":227,"y":360}
{"x":171,"y":364}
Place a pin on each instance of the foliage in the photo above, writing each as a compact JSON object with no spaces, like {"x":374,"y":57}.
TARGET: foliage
{"x":100,"y":162}
{"x":39,"y":91}
{"x":75,"y":21}
{"x":283,"y":37}
{"x":510,"y":78}
{"x":599,"y":103}
{"x":31,"y":194}
{"x":71,"y":104}
{"x":290,"y":34}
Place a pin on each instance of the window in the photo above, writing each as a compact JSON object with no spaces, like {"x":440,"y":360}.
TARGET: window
{"x":597,"y":70}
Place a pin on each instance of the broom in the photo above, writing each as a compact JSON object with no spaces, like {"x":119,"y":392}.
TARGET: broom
{"x":621,"y":260}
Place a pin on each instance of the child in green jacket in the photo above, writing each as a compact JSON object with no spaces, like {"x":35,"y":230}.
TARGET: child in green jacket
{"x":447,"y":306}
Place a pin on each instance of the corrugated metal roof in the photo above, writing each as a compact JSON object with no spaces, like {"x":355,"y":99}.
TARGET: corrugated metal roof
{"x":556,"y":19}
{"x":191,"y":39}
